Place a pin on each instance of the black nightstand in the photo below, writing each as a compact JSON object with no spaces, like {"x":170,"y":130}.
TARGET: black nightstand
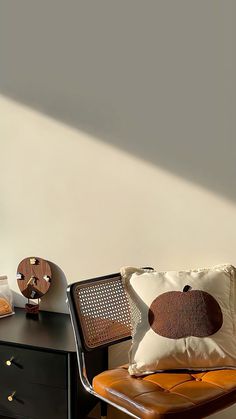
{"x":38,"y":368}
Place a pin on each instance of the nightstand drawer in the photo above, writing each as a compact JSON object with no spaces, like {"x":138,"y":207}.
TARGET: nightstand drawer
{"x":33,"y":402}
{"x":32,"y":366}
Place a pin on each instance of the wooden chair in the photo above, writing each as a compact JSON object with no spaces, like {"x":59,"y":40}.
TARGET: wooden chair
{"x":100,"y":317}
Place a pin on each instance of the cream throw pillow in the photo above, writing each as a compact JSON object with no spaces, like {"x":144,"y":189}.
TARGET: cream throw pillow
{"x":181,"y":320}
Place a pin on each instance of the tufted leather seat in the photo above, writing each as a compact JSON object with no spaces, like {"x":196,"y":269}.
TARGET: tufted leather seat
{"x":177,"y":395}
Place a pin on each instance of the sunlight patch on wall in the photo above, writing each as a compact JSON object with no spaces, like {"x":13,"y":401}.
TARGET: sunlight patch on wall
{"x":91,"y":208}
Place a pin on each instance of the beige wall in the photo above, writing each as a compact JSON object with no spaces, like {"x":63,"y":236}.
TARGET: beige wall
{"x":117,"y":137}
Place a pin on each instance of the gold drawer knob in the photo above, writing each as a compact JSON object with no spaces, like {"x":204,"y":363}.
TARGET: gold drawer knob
{"x":11,"y":397}
{"x":9,"y":361}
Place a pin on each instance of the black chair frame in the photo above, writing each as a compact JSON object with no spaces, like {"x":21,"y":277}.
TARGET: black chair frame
{"x":110,"y":305}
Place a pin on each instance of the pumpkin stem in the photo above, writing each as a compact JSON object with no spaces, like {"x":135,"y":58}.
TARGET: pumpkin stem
{"x":187,"y":288}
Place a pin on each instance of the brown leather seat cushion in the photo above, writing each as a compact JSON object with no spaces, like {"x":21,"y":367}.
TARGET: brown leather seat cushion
{"x":170,"y":394}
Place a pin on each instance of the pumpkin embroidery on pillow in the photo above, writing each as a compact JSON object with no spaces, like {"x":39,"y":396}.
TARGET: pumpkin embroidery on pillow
{"x":181,"y":319}
{"x":180,"y":314}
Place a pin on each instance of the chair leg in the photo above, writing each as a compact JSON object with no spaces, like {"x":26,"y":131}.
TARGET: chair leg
{"x":103,"y":409}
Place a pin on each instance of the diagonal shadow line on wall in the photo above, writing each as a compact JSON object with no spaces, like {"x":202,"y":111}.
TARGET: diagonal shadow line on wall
{"x":155,"y":80}
{"x":209,"y":164}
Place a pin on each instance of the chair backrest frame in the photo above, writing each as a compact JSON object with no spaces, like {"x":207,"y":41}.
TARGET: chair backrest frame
{"x":82,"y":348}
{"x":99,"y":311}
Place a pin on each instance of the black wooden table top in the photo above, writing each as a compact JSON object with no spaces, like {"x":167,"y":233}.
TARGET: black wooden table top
{"x":51,"y":331}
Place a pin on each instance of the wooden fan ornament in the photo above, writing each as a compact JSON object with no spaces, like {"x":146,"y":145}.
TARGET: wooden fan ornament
{"x":34,"y":280}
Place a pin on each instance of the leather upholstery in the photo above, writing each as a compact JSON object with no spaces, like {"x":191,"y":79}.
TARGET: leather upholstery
{"x":177,"y":395}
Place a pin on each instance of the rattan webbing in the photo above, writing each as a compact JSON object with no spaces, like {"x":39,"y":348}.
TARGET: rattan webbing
{"x":103,"y":310}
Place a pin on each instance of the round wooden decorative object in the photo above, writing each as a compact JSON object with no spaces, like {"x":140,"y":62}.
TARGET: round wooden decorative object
{"x":34,"y":277}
